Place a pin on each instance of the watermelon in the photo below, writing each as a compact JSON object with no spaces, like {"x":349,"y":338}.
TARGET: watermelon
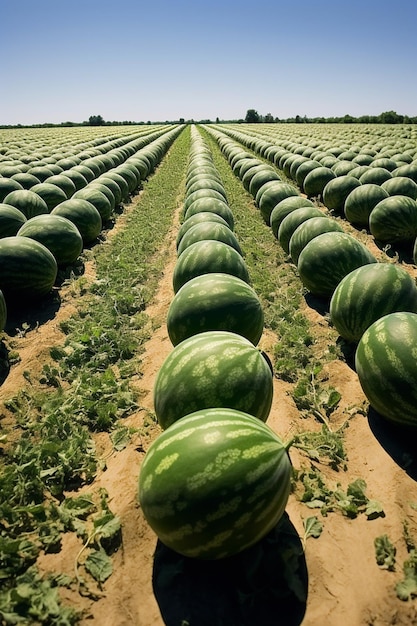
{"x":375,"y":175}
{"x":202,"y":194}
{"x":57,"y":233}
{"x":212,"y":205}
{"x":7,"y":185}
{"x":98,"y":199}
{"x":27,"y":269}
{"x":337,"y":190}
{"x":131,"y":176}
{"x":213,"y":369}
{"x":386,"y":365}
{"x":77,"y":178}
{"x":203,"y":257}
{"x":209,"y":230}
{"x":394,"y":220}
{"x":316,"y":180}
{"x":52,"y":194}
{"x":41,"y":171}
{"x":274,"y":192}
{"x":309,"y":229}
{"x":283,"y":208}
{"x":327,"y":258}
{"x":11,"y":219}
{"x":263,"y":175}
{"x":84,"y":215}
{"x":304,"y":169}
{"x":215,"y":301}
{"x":198,"y":218}
{"x":105,"y":190}
{"x":63,"y":182}
{"x":207,"y":183}
{"x":28,"y":202}
{"x":25,"y":180}
{"x":400,"y":186}
{"x":112,"y":186}
{"x":117,"y":178}
{"x":214,"y":483}
{"x":250,"y":173}
{"x":368,"y":293}
{"x":360,"y":202}
{"x":292,"y":221}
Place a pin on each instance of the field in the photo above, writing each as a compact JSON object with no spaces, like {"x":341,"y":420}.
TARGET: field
{"x":79,"y":365}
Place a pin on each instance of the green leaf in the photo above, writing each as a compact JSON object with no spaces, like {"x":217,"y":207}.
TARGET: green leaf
{"x":99,"y":565}
{"x":312,"y":527}
{"x":356,"y":491}
{"x":107,"y":526}
{"x":385,"y":552}
{"x":407,"y":589}
{"x":120,"y":438}
{"x":374,"y":509}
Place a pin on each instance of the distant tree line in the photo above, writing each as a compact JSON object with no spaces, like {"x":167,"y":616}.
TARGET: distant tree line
{"x":387,"y":117}
{"x":252,"y":117}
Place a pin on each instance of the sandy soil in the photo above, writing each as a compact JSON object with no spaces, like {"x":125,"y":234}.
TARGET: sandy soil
{"x":343,"y":584}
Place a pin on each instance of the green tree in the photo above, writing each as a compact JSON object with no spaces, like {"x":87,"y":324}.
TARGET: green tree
{"x":252,"y":116}
{"x":95,"y":120}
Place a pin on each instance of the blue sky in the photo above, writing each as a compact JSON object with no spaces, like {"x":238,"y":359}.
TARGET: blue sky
{"x":161,"y":60}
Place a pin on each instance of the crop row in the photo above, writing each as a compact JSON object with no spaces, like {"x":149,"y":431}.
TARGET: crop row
{"x":45,"y":225}
{"x":371,"y":303}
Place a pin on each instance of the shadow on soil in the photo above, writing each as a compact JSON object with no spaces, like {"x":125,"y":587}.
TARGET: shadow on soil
{"x":399,"y":442}
{"x":266,"y":585}
{"x":318,"y":303}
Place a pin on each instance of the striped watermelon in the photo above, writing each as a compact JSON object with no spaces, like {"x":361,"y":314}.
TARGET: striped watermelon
{"x":215,"y":301}
{"x":328,"y":258}
{"x":271,"y":194}
{"x":284,"y":208}
{"x":98,"y":199}
{"x":203,"y":216}
{"x":213,"y":369}
{"x":394,"y":220}
{"x":84,"y":215}
{"x":11,"y":219}
{"x":368,"y":293}
{"x":360,"y":202}
{"x":219,"y":207}
{"x":27,"y":268}
{"x":316,"y":180}
{"x":28,"y":202}
{"x":292,"y":221}
{"x":337,"y":190}
{"x":306,"y":231}
{"x":214,"y":483}
{"x":49,"y":192}
{"x":209,"y":230}
{"x":386,"y":365}
{"x":205,"y":257}
{"x":57,"y":233}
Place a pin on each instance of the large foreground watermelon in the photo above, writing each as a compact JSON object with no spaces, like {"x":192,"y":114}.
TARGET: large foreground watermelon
{"x":328,"y":258}
{"x":368,"y":293}
{"x":211,"y":370}
{"x":215,"y":301}
{"x":27,"y":268}
{"x":386,"y":365}
{"x":214,"y":483}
